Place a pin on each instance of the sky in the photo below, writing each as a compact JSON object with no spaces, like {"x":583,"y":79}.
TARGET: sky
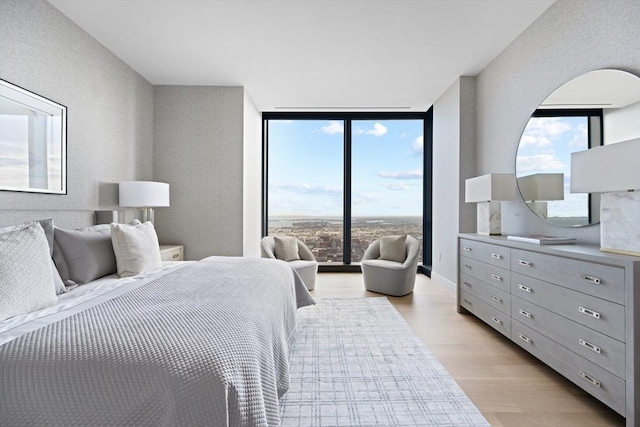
{"x":545,"y":147}
{"x":306,"y":167}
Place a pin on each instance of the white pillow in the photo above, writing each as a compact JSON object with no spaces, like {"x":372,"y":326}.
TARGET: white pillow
{"x":136,"y":248}
{"x":26,"y":282}
{"x":286,"y":248}
{"x":392,"y":248}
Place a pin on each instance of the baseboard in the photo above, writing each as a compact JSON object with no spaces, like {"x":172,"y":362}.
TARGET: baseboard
{"x":444,"y":282}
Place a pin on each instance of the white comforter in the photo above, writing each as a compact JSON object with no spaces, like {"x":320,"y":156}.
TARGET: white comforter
{"x":206,"y":344}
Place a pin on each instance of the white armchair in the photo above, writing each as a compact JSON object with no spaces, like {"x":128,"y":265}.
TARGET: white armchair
{"x":390,"y":277}
{"x":306,"y":266}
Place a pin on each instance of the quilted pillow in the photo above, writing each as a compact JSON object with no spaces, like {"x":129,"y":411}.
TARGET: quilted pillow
{"x":47,"y":227}
{"x":136,"y":248}
{"x":286,"y":248}
{"x":26,"y":282}
{"x":392,"y":248}
{"x":84,"y":254}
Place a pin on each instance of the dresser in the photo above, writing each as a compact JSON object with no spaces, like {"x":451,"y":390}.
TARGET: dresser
{"x":573,"y":307}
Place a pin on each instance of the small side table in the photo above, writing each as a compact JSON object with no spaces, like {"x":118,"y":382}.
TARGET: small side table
{"x":172,"y":252}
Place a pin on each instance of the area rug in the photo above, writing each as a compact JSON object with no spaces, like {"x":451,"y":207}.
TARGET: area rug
{"x":356,"y":362}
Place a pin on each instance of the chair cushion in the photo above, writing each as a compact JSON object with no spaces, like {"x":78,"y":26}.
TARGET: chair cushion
{"x":382,"y":263}
{"x":393,"y":248}
{"x":286,"y":248}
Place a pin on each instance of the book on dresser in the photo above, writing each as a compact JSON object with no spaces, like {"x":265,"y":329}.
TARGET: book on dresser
{"x":543,"y":240}
{"x":573,"y":307}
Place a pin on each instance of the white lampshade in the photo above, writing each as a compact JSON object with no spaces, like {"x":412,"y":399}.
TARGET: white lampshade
{"x":141,"y":194}
{"x":490,"y":187}
{"x":606,"y":169}
{"x":542,"y":186}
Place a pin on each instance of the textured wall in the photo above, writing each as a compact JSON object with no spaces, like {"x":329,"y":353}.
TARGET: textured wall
{"x":198,"y":145}
{"x":453,"y":163}
{"x":571,"y":38}
{"x":110,"y":106}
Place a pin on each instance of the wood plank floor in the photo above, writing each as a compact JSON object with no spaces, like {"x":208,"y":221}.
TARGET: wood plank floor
{"x":509,"y":386}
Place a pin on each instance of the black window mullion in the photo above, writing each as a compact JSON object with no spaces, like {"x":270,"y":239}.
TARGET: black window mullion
{"x":346,"y":241}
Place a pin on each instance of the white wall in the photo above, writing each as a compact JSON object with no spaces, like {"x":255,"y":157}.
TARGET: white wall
{"x":453,"y":163}
{"x":252,"y":179}
{"x":109,"y":105}
{"x":198,"y":150}
{"x":621,"y":124}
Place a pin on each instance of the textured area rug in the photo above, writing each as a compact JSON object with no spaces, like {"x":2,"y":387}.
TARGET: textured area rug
{"x":356,"y":362}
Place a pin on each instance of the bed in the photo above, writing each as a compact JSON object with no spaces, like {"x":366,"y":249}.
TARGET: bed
{"x":190,"y":343}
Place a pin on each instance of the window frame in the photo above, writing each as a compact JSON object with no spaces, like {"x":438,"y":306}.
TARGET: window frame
{"x":347,"y":118}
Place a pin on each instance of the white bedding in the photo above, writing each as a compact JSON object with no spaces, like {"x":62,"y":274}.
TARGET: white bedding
{"x":80,"y":298}
{"x":202,"y":343}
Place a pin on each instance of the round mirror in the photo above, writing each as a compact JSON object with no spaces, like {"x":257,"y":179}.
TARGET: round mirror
{"x":597,"y":108}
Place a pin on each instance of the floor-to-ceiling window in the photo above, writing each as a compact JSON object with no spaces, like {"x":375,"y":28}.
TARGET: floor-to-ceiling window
{"x":340,"y":181}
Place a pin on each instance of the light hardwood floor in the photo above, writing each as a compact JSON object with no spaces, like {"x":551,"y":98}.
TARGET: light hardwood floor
{"x":509,"y":386}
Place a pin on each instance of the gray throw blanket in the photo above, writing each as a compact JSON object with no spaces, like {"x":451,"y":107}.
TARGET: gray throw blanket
{"x":205,"y":345}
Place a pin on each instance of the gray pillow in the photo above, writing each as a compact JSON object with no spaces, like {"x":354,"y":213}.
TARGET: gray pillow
{"x":26,"y":282}
{"x":393,"y":248}
{"x":84,"y":254}
{"x":47,"y":227}
{"x":286,"y":248}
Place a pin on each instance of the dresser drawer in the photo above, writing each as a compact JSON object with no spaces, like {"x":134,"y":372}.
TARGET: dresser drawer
{"x":602,"y":281}
{"x":485,"y":252}
{"x":493,"y":296}
{"x":593,"y":346}
{"x":496,"y":276}
{"x":603,"y":316}
{"x":593,"y":379}
{"x":497,"y":319}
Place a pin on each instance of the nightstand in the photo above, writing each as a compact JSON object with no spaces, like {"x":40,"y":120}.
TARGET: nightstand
{"x":172,"y":252}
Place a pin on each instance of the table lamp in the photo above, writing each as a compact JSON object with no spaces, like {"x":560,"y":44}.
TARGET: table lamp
{"x":487,"y":191}
{"x":144,"y":195}
{"x":539,"y":188}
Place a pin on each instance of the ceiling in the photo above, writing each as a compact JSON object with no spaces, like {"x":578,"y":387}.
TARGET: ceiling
{"x":308,"y":55}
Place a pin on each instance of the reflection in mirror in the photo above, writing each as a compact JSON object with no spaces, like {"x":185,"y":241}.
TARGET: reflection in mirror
{"x":600,"y":107}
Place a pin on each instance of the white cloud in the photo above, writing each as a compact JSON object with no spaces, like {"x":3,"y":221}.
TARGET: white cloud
{"x":364,"y":198}
{"x":412,"y":174}
{"x":539,"y":162}
{"x":418,"y":145}
{"x":333,"y":127}
{"x":358,"y":130}
{"x":540,"y":131}
{"x":378,"y":130}
{"x":397,"y":186}
{"x":580,"y":138}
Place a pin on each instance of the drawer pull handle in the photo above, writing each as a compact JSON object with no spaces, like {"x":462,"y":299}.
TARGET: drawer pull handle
{"x":496,"y":299}
{"x":524,"y":338}
{"x":466,"y":248}
{"x":468,"y":284}
{"x":590,"y":279}
{"x":176,"y":255}
{"x":590,"y":346}
{"x":496,"y":277}
{"x":467,"y":266}
{"x":588,"y":312}
{"x":589,"y":378}
{"x":495,"y":319}
{"x":524,"y":288}
{"x":496,"y":256}
{"x":525,"y":263}
{"x":525,"y":313}
{"x":467,"y":301}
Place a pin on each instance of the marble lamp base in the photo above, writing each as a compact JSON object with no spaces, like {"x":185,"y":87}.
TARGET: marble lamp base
{"x":489,"y":218}
{"x":620,"y":223}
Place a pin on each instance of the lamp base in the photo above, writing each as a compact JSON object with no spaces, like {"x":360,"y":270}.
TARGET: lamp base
{"x":489,"y":218}
{"x":539,"y":208}
{"x":145,"y":214}
{"x":620,"y":222}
